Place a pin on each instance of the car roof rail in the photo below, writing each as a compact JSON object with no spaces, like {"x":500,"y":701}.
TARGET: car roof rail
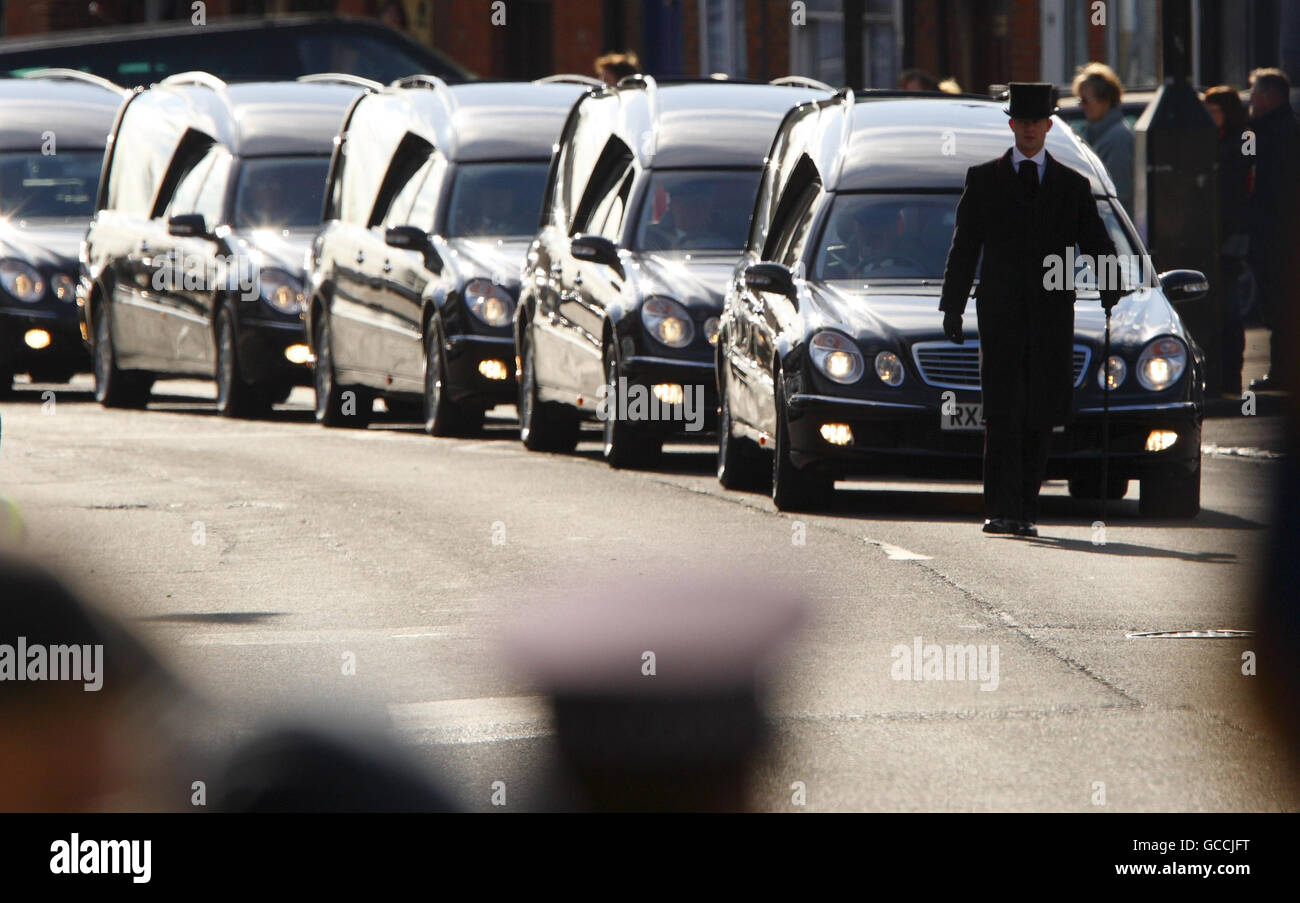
{"x":341,"y":78}
{"x":197,"y":78}
{"x":568,"y":78}
{"x":76,"y":75}
{"x":802,"y":81}
{"x":639,"y":80}
{"x":419,"y":80}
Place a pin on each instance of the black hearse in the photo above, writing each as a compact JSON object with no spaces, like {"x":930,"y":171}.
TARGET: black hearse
{"x":194,"y":263}
{"x":646,"y":208}
{"x":53,"y":125}
{"x":433,"y":194}
{"x":832,"y":360}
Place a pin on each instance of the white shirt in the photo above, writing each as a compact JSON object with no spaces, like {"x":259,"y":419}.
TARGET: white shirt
{"x":1040,"y":160}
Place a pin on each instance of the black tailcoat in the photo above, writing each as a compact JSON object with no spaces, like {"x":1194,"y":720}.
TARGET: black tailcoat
{"x":1015,"y":312}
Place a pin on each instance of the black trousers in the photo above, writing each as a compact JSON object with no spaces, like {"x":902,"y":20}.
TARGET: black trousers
{"x":1015,"y":458}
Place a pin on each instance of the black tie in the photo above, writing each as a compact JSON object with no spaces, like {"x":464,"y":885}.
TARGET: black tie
{"x":1029,"y":176}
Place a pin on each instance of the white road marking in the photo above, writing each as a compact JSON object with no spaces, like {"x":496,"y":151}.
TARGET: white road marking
{"x":896,"y":553}
{"x":255,"y":637}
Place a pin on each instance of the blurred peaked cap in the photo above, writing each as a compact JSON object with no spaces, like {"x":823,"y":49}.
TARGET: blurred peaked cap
{"x":1031,"y":100}
{"x":707,"y":632}
{"x":35,"y":605}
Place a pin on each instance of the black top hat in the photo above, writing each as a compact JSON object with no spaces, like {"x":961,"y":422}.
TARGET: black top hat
{"x":1031,"y":100}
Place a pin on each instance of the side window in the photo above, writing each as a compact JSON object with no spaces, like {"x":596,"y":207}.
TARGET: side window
{"x":141,"y":149}
{"x":412,"y":154}
{"x":609,"y":218}
{"x":211,"y":201}
{"x":424,"y":212}
{"x":603,"y":188}
{"x":578,"y":165}
{"x":788,"y":232}
{"x":187,"y":189}
{"x":190,"y":154}
{"x":399,"y":211}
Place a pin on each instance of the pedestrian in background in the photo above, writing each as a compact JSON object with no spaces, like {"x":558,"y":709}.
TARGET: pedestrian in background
{"x":1229,"y":114}
{"x":1100,"y":92}
{"x":917,"y":80}
{"x":1277,"y":145}
{"x":611,"y":68}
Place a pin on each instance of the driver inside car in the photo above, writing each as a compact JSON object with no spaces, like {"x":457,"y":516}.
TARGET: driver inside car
{"x":869,"y":243}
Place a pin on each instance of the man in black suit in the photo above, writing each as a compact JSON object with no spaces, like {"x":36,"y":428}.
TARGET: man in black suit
{"x":1022,"y":210}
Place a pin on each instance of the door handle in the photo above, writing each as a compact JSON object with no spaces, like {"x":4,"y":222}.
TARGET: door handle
{"x":143,"y":246}
{"x":387,"y":267}
{"x":361,"y":257}
{"x":577,"y":280}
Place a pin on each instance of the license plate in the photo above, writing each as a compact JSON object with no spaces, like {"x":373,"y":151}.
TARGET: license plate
{"x":969,"y":417}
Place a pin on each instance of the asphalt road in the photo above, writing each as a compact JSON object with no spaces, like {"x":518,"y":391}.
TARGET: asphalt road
{"x":254,"y":555}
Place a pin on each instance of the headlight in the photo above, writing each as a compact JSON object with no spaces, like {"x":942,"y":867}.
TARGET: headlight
{"x":711,"y":330}
{"x":281,"y":291}
{"x":489,"y":302}
{"x":667,"y":322}
{"x":65,"y":287}
{"x":1115,"y":370}
{"x":1161,"y":363}
{"x":21,"y":280}
{"x":889,"y":368}
{"x":837,"y":357}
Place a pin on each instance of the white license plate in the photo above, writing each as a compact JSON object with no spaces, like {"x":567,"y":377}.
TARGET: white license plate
{"x":969,"y":417}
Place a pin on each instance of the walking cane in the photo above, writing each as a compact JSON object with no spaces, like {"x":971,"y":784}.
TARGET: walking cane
{"x":1105,"y":418}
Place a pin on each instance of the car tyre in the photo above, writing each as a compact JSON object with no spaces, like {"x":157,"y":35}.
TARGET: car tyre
{"x":624,"y":445}
{"x":740,"y":464}
{"x":543,"y":426}
{"x":331,"y":399}
{"x":1171,"y":495}
{"x":794,"y":489}
{"x":442,"y":416}
{"x":235,"y":397}
{"x":115,"y":388}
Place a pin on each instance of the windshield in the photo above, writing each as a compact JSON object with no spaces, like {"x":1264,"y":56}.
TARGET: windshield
{"x":59,"y":186}
{"x":280,"y":192}
{"x":496,"y":199}
{"x":878,"y":236}
{"x":697,"y":210}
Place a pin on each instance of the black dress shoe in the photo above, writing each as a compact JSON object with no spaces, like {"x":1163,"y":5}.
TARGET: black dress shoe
{"x":1026,"y":528}
{"x":999,"y":525}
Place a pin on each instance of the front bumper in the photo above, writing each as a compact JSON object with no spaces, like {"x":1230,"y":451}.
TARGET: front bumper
{"x":699,"y":390}
{"x":467,"y":382}
{"x":64,"y":354}
{"x":909,"y":440}
{"x":262,"y":346}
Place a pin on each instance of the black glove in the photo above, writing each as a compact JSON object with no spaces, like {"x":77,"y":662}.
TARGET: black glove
{"x":952,"y":328}
{"x":1109,"y":300}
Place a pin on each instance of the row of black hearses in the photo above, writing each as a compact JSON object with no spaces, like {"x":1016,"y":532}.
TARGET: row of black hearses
{"x":757,"y":261}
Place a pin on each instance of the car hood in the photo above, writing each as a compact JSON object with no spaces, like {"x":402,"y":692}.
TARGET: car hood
{"x":49,"y":243}
{"x":904,"y":314}
{"x":286,"y":249}
{"x":499,"y":259}
{"x":698,"y":279}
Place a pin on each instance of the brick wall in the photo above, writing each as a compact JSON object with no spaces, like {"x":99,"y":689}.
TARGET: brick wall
{"x":1025,"y":43}
{"x":576,"y":32}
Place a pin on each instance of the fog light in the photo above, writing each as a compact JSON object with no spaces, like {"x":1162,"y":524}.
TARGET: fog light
{"x":1159,"y":440}
{"x":297,"y":354}
{"x":668,"y":393}
{"x":837,"y":433}
{"x":37,"y":339}
{"x":493,"y":370}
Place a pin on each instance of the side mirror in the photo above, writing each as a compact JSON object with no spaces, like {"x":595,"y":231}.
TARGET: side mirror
{"x":770,"y":277}
{"x":188,"y":225}
{"x":594,"y":249}
{"x":1183,"y":285}
{"x":413,"y":238}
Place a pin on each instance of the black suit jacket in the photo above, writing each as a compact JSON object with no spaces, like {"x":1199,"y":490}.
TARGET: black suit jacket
{"x":1016,"y":312}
